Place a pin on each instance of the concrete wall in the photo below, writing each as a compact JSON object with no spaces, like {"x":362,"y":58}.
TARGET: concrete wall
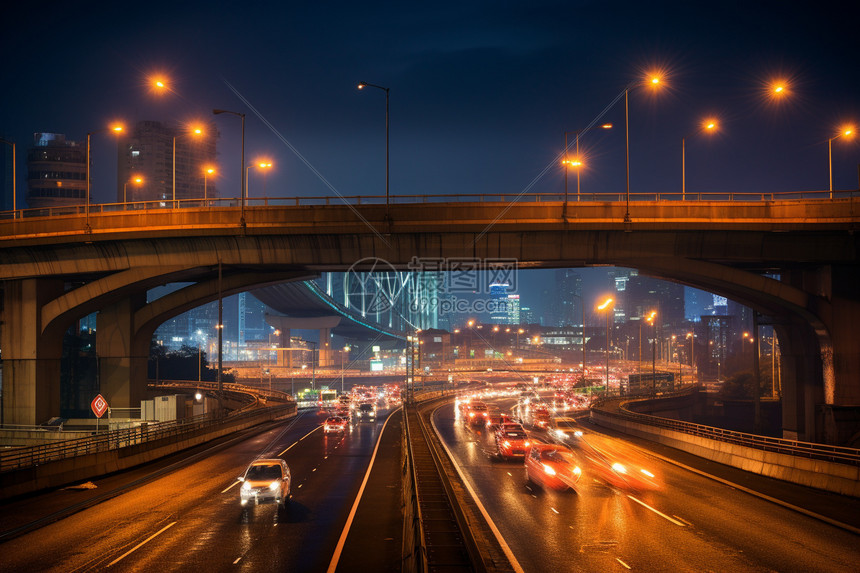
{"x":829,"y":476}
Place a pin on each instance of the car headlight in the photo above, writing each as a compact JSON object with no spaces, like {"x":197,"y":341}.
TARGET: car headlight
{"x":507,"y":444}
{"x":274,"y":485}
{"x":548,"y":470}
{"x":526,"y":444}
{"x":647,"y":473}
{"x":246,"y":486}
{"x":619,"y":468}
{"x":576,"y":470}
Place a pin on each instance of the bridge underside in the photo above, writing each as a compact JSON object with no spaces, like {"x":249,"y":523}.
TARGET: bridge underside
{"x":815,"y":305}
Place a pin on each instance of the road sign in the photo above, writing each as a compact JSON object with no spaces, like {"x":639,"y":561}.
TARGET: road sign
{"x":99,"y":406}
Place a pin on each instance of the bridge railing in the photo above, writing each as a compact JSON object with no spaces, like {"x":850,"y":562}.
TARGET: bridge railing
{"x":825,"y":452}
{"x":357,"y":200}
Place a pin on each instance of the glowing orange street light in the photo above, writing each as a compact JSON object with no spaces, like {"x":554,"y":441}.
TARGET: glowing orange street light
{"x":846,"y":131}
{"x":195,"y":131}
{"x":575,"y":162}
{"x":116,"y":128}
{"x":655,"y":82}
{"x":707,"y":125}
{"x":137,"y":181}
{"x":206,"y":173}
{"x":607,"y":306}
{"x":263,"y":164}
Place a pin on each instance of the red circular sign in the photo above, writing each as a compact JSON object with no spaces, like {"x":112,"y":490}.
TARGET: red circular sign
{"x":99,"y":406}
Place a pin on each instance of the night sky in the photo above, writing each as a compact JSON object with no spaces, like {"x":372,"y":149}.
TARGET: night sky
{"x":481,"y":92}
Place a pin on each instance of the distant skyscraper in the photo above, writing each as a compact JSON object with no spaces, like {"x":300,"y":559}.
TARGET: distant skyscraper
{"x":147,"y":151}
{"x":499,"y":303}
{"x":56,"y":171}
{"x":566,"y":305}
{"x":513,"y":310}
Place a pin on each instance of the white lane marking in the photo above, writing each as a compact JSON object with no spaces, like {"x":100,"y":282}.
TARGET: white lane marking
{"x":237,"y":560}
{"x":142,"y":543}
{"x":230,"y":486}
{"x":299,"y":440}
{"x":684,"y":520}
{"x":340,"y":542}
{"x":663,"y":515}
{"x":510,"y":474}
{"x":505,"y":548}
{"x":622,"y":562}
{"x":555,"y":510}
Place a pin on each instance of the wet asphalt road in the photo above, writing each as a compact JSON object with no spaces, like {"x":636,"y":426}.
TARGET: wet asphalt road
{"x":189,"y":518}
{"x":691,"y":523}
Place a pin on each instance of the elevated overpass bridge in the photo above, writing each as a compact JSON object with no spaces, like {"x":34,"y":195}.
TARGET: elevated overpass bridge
{"x":58,"y":267}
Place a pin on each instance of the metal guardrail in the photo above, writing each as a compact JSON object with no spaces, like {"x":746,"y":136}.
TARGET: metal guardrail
{"x":234,"y":203}
{"x":837,"y":454}
{"x":18,"y":458}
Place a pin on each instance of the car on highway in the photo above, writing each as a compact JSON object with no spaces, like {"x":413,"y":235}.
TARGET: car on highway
{"x":615,"y":467}
{"x":552,"y":466}
{"x":265,"y":481}
{"x":563,"y":428}
{"x":335,"y":425}
{"x":497,"y":418}
{"x":366,"y":411}
{"x":478,"y":413}
{"x":512,"y":441}
{"x":540,"y":417}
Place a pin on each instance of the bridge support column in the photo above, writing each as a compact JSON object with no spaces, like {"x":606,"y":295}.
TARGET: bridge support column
{"x":325,"y":347}
{"x":31,"y":358}
{"x":122,"y":373}
{"x":285,"y":357}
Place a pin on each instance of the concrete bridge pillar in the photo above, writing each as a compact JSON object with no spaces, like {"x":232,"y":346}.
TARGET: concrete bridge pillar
{"x":325,"y":347}
{"x":285,"y":357}
{"x":122,"y":369}
{"x":31,"y":357}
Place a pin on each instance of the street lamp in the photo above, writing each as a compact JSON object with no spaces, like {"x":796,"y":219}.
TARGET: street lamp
{"x":845,"y":132}
{"x":692,"y":338}
{"x":607,"y":306}
{"x":361,"y":86}
{"x":194,"y":132}
{"x":654,"y":82}
{"x":263,"y":164}
{"x":137,"y":181}
{"x":344,"y":351}
{"x":653,"y":324}
{"x":14,"y":177}
{"x":242,"y":170}
{"x":206,"y":173}
{"x":115,"y":129}
{"x":707,"y":125}
{"x":575,"y":162}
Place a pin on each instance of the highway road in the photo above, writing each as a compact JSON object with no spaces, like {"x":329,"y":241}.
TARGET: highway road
{"x":691,"y":523}
{"x":188,"y":516}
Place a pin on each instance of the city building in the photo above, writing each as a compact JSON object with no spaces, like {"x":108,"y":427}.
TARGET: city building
{"x":56,"y":171}
{"x":499,"y":303}
{"x":567,"y":301}
{"x":146,"y":151}
{"x":513,"y":309}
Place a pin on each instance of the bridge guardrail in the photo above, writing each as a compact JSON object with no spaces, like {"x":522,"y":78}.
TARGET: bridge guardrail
{"x":147,"y":432}
{"x":232,"y":202}
{"x":838,"y":454}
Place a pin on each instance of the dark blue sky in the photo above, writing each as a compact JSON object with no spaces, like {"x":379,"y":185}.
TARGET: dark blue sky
{"x":481,"y":92}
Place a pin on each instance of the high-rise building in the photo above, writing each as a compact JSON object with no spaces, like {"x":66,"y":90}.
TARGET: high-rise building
{"x":499,"y":303}
{"x":513,"y":310}
{"x":56,"y":171}
{"x":566,"y":306}
{"x":147,"y":151}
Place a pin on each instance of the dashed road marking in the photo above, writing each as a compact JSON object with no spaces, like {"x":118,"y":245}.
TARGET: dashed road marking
{"x":142,"y":543}
{"x":622,"y":562}
{"x":661,"y":514}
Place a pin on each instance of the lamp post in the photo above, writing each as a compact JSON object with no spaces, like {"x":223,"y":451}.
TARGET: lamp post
{"x":708,"y":125}
{"x":692,"y":338}
{"x":206,"y":172}
{"x":14,"y":177}
{"x":846,"y":132}
{"x":262,"y":164}
{"x":344,"y":351}
{"x":576,"y":162}
{"x":137,"y":180}
{"x":361,"y":86}
{"x":653,"y":324}
{"x":195,"y":131}
{"x":607,"y":306}
{"x":115,"y":129}
{"x":654,"y":81}
{"x":242,"y":170}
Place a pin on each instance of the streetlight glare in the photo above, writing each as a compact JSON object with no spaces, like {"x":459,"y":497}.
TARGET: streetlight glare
{"x":605,"y":304}
{"x":606,"y":126}
{"x":117,"y":128}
